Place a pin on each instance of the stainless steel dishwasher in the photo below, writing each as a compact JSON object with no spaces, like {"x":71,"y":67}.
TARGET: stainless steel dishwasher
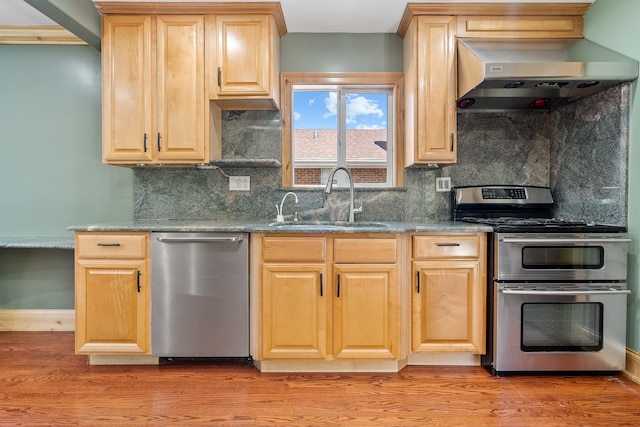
{"x":200,"y":295}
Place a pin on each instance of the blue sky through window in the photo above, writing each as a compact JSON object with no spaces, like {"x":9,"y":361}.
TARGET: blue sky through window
{"x":318,"y":109}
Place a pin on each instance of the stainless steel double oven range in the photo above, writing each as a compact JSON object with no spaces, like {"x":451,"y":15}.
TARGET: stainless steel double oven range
{"x":556,"y":290}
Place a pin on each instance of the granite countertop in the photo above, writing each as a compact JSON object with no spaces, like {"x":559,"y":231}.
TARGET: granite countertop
{"x":41,"y":242}
{"x":67,"y":242}
{"x":265,"y":227}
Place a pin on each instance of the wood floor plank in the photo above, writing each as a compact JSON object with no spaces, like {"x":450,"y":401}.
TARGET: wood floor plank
{"x":42,"y":382}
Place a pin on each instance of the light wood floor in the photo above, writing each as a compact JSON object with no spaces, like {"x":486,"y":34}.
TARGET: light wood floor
{"x":42,"y":382}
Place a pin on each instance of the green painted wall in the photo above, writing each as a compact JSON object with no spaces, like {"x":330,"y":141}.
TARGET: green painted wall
{"x":51,"y":174}
{"x":613,"y":23}
{"x":339,"y":52}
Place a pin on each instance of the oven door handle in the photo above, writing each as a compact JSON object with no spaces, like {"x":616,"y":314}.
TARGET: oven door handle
{"x":566,"y":240}
{"x":609,"y":292}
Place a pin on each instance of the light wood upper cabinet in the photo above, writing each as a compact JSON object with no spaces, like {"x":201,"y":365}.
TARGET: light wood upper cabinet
{"x":112,"y":295}
{"x":449,"y":293}
{"x":567,"y":26}
{"x":154,"y":105}
{"x":180,"y":87}
{"x":430,"y":90}
{"x":127,"y":95}
{"x":244,"y":63}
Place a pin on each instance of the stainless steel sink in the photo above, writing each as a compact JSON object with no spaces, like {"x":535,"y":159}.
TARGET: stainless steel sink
{"x":326,"y":225}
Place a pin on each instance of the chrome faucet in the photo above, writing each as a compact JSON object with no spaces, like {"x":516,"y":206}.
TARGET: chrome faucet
{"x":280,"y":215}
{"x":327,"y":190}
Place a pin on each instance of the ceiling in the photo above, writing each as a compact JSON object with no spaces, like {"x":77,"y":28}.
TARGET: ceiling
{"x":301,"y":16}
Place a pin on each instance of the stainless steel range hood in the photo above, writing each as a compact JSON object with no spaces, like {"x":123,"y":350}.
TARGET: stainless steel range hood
{"x":524,"y":74}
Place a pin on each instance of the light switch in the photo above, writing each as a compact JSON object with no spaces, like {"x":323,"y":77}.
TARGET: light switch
{"x":443,"y":184}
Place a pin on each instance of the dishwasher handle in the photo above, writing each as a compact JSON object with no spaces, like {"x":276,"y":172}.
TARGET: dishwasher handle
{"x":230,"y":239}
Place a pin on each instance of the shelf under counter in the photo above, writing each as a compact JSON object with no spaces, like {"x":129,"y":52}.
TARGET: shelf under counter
{"x":245,"y":163}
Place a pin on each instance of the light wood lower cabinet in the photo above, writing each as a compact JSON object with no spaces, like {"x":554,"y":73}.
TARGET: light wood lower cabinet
{"x":365,"y":311}
{"x":448,"y":293}
{"x":329,"y":298}
{"x":294,"y":311}
{"x":112,"y":293}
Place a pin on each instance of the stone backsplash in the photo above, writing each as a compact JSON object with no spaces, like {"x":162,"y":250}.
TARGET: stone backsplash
{"x":579,"y":150}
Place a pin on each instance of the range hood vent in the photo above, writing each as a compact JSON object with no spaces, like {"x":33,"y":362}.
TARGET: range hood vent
{"x":535,"y":74}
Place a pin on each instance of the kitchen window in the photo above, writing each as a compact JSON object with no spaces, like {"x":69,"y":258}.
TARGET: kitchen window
{"x":341,"y":119}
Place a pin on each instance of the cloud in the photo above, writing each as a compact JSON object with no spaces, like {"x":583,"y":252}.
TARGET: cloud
{"x":296,"y":115}
{"x":363,"y":126}
{"x":358,"y":105}
{"x":331,"y":102}
{"x":312,"y":101}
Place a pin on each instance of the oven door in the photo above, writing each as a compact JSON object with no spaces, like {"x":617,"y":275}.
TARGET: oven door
{"x":580,"y":329}
{"x":556,"y":257}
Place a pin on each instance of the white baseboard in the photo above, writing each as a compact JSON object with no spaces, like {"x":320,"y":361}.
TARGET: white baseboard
{"x":632,"y":369}
{"x":123,"y":359}
{"x":37,"y":320}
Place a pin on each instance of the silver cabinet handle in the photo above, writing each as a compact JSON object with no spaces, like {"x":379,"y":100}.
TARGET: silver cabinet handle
{"x":200,"y":239}
{"x":447,"y":244}
{"x":108,"y":244}
{"x":551,"y":240}
{"x":609,"y":292}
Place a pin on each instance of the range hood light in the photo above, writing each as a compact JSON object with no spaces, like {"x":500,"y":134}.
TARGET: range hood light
{"x":588,"y":84}
{"x":540,"y":103}
{"x":551,"y":85}
{"x":466,"y":103}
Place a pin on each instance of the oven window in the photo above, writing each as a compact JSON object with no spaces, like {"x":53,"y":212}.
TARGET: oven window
{"x":563,"y":257}
{"x":571,"y":326}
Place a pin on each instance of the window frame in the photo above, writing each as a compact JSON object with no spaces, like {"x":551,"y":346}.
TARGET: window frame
{"x":290,"y":79}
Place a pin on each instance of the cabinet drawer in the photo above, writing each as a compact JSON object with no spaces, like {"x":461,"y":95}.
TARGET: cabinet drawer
{"x":293,"y":249}
{"x":111,"y":245}
{"x":364,"y":250}
{"x":521,"y":26}
{"x":454,"y":246}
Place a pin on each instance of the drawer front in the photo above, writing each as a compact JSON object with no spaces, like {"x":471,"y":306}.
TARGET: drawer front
{"x":111,"y":245}
{"x":454,"y":246}
{"x":293,"y":249}
{"x":521,"y":26}
{"x":368,"y":250}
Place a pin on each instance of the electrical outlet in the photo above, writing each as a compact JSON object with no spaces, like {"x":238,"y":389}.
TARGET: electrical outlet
{"x":239,"y":183}
{"x":443,"y":184}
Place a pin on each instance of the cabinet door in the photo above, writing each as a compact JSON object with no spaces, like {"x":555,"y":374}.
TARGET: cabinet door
{"x":430,"y":65}
{"x":112,"y":300}
{"x":180,"y":134}
{"x":365,"y":311}
{"x":244,"y":55}
{"x":127,"y":89}
{"x":448,"y":306}
{"x":294,"y":311}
